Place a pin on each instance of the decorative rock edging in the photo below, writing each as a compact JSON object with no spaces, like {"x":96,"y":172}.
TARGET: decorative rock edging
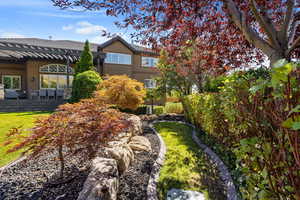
{"x":153,"y":180}
{"x":223,"y":170}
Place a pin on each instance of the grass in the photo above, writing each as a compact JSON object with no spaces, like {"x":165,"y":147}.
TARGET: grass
{"x":11,"y":120}
{"x":186,"y":166}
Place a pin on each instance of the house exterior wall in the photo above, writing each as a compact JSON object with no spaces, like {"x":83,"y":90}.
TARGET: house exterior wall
{"x":135,"y":70}
{"x":30,"y":75}
{"x":33,"y":72}
{"x":7,"y":68}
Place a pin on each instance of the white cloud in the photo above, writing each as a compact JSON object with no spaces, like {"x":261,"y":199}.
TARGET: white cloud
{"x":87,"y":28}
{"x":68,"y":15}
{"x":11,"y":35}
{"x":67,"y":27}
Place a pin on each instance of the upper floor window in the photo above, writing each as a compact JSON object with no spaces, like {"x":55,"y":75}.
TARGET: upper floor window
{"x":56,"y":68}
{"x":150,"y":83}
{"x":118,"y":58}
{"x":149,"y":61}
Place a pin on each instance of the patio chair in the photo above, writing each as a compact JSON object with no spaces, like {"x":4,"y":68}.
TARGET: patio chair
{"x":59,"y":94}
{"x":51,"y":94}
{"x":11,"y":94}
{"x":43,"y":94}
{"x":34,"y":94}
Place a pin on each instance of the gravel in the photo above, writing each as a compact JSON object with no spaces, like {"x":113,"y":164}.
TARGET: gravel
{"x":34,"y":179}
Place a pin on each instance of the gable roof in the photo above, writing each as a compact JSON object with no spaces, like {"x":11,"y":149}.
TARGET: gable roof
{"x":132,"y":47}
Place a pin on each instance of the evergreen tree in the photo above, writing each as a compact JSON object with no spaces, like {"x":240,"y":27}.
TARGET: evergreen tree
{"x":85,"y":62}
{"x":86,"y":79}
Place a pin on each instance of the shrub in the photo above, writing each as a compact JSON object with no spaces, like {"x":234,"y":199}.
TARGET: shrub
{"x":85,"y":84}
{"x":80,"y":128}
{"x":173,"y":108}
{"x":122,"y":91}
{"x":256,"y":116}
{"x":158,"y":110}
{"x":85,"y":80}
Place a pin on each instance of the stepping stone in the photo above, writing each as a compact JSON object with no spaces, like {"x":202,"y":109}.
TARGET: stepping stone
{"x":178,"y":194}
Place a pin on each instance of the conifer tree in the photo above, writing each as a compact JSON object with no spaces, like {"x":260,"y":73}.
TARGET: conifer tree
{"x":86,"y":79}
{"x":85,"y":62}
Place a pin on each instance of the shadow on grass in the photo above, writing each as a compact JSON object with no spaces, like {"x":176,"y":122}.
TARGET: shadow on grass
{"x":186,"y":165}
{"x":33,"y":113}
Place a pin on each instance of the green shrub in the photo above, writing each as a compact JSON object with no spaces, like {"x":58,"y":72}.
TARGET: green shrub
{"x":158,"y":110}
{"x":84,"y":85}
{"x":141,"y":110}
{"x":173,"y":108}
{"x":249,"y":119}
{"x":214,"y":84}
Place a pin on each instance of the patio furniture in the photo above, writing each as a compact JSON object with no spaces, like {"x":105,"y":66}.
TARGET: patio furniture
{"x":43,"y":94}
{"x":59,"y":94}
{"x":51,"y":94}
{"x":11,"y":94}
{"x":34,"y":94}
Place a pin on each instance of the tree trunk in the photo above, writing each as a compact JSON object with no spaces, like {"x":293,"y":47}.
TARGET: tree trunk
{"x":62,"y":161}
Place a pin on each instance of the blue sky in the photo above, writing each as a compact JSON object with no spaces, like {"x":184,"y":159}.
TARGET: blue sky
{"x":39,"y":18}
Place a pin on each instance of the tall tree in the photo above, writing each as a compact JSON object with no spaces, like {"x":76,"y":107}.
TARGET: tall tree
{"x":85,"y":62}
{"x":236,"y":32}
{"x":86,"y":79}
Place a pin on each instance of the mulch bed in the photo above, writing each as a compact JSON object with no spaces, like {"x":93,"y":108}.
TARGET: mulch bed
{"x":33,"y":179}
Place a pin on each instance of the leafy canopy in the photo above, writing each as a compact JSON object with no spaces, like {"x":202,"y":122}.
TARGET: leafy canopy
{"x":122,"y":91}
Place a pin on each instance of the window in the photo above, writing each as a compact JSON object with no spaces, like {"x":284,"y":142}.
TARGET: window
{"x":54,"y":81}
{"x":149,"y":61}
{"x":118,"y":58}
{"x":56,"y":68}
{"x":11,"y":82}
{"x":150,"y":83}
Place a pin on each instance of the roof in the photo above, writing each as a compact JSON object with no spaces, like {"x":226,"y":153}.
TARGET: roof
{"x":132,"y":47}
{"x":62,"y":44}
{"x":22,"y":48}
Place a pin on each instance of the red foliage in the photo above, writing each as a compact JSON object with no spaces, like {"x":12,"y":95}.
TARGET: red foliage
{"x":223,"y":40}
{"x":80,"y":128}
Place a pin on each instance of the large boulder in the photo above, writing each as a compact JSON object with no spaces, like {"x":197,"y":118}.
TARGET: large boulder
{"x":123,"y":155}
{"x":140,"y":143}
{"x":134,"y":129}
{"x":102,"y":182}
{"x":136,"y":125}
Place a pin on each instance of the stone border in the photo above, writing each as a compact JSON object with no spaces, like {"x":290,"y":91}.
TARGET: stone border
{"x":223,"y":170}
{"x":154,"y":175}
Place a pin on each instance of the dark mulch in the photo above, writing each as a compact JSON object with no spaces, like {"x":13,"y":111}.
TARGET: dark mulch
{"x":31,"y":179}
{"x":134,"y":182}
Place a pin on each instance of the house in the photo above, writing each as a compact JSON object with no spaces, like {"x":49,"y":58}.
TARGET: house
{"x":31,"y":65}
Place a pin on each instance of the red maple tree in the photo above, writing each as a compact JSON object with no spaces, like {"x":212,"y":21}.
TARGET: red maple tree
{"x":236,"y":32}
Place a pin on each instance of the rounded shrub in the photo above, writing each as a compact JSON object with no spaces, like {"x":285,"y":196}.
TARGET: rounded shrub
{"x":85,"y":84}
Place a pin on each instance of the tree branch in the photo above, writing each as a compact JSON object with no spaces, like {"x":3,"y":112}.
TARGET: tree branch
{"x":251,"y":35}
{"x":293,"y":46}
{"x":288,"y":20}
{"x":265,"y":22}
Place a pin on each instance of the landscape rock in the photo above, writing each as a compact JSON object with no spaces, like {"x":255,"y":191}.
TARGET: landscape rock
{"x":102,"y":182}
{"x":136,"y":125}
{"x":177,"y":194}
{"x":123,"y":155}
{"x":133,"y":130}
{"x":140,"y":143}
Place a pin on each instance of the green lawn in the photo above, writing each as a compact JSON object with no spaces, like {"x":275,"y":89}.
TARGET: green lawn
{"x":186,"y":166}
{"x":10,"y":120}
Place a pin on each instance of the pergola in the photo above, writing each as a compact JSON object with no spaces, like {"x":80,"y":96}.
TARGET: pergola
{"x":21,"y":52}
